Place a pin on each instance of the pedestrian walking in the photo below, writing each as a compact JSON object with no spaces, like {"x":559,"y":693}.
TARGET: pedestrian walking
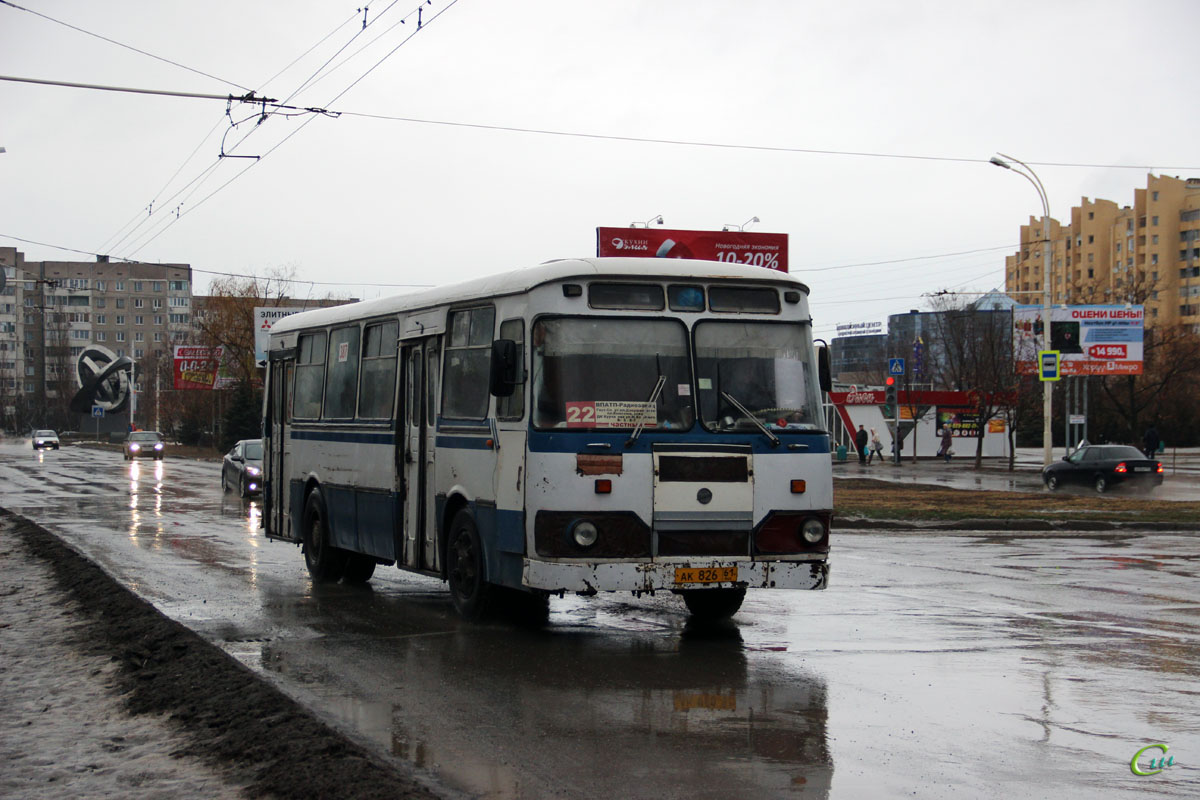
{"x":947,"y":440}
{"x":1150,"y":442}
{"x":876,"y":448}
{"x":860,"y":443}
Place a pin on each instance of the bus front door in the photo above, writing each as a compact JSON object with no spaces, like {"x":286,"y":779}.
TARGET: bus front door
{"x":275,"y":498}
{"x":421,"y":363}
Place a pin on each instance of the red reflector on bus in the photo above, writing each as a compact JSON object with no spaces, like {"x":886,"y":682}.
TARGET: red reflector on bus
{"x":603,"y":486}
{"x":799,"y":487}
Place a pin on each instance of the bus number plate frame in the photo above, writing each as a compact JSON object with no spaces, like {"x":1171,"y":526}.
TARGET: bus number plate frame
{"x":684,"y":575}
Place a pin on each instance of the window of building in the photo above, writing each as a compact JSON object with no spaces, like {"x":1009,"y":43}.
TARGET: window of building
{"x":178,"y":302}
{"x":468,"y":362}
{"x":138,"y":336}
{"x":1091,"y":215}
{"x":120,"y":336}
{"x":139,"y":302}
{"x":513,"y":406}
{"x":158,"y":336}
{"x":100,"y":318}
{"x":156,"y":286}
{"x":138,"y":319}
{"x":120,"y":319}
{"x":1154,"y":258}
{"x":137,"y":286}
{"x":177,"y":286}
{"x":120,"y":302}
{"x":1091,"y":239}
{"x":310,"y":376}
{"x":101,"y":336}
{"x":1154,"y":220}
{"x":378,"y":379}
{"x":1154,"y":196}
{"x":1091,"y":258}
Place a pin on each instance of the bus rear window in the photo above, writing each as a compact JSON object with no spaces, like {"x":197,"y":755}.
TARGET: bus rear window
{"x":733,"y":300}
{"x":639,"y":296}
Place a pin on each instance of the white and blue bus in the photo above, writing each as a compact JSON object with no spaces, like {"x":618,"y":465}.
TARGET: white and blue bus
{"x":583,"y":426}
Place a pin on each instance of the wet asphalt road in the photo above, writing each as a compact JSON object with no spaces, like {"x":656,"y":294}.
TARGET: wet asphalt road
{"x":933,"y":666}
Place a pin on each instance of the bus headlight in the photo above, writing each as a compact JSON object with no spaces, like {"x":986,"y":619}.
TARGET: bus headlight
{"x":812,"y":530}
{"x":584,"y":533}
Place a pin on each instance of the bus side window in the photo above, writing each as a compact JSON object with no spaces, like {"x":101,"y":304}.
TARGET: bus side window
{"x":513,"y":406}
{"x":378,"y":377}
{"x":468,"y":363}
{"x":341,"y":379}
{"x":433,"y":360}
{"x":310,"y":376}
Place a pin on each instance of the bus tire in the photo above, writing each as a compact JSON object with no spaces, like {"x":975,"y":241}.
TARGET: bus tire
{"x":359,"y":569}
{"x":713,"y":604}
{"x":469,"y":590}
{"x":324,"y":561}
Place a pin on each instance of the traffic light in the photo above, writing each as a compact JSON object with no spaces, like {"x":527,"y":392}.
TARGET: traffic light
{"x":890,"y":392}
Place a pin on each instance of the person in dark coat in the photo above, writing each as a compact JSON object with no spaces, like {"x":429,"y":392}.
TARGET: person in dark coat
{"x":1150,"y":441}
{"x":860,"y":442}
{"x":947,"y":442}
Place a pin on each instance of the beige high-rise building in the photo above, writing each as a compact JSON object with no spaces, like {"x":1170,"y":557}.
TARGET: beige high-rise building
{"x":1147,"y":253}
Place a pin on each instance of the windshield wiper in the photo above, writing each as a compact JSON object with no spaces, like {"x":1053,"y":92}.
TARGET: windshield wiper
{"x":733,"y":401}
{"x":646,"y":407}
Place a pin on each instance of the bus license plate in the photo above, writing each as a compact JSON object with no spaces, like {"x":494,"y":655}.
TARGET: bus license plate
{"x":706,"y":574}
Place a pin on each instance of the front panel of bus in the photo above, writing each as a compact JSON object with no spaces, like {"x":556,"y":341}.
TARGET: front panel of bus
{"x":675,"y":438}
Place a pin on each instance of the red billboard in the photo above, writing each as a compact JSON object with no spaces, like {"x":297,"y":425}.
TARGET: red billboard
{"x":196,"y":367}
{"x":741,"y":247}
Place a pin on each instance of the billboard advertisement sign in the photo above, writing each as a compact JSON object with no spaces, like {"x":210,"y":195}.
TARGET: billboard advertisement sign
{"x":1091,"y":340}
{"x":264,"y":318}
{"x":741,"y":247}
{"x":197,"y":367}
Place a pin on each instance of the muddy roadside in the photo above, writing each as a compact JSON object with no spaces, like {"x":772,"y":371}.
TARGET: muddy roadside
{"x":865,"y":503}
{"x":253,"y":739}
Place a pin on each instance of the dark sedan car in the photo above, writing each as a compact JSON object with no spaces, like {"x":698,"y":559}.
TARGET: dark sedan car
{"x":1103,"y":466}
{"x":242,"y":467}
{"x":144,"y":444}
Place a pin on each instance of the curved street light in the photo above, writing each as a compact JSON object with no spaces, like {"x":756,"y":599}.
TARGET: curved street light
{"x":1026,"y":172}
{"x":653,"y":220}
{"x":743,"y":226}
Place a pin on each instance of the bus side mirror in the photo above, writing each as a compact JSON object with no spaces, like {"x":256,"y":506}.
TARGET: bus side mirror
{"x":824,"y":369}
{"x":506,"y":368}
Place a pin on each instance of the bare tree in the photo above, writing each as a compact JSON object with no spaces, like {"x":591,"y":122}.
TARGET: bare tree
{"x":976,"y":357}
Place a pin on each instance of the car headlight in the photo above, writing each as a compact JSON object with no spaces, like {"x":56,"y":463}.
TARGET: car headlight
{"x":585,"y":533}
{"x":158,"y":446}
{"x":134,"y":447}
{"x":812,"y":530}
{"x":253,"y":471}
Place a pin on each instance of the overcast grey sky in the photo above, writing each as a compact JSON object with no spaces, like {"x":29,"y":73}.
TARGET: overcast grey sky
{"x":362,"y":199}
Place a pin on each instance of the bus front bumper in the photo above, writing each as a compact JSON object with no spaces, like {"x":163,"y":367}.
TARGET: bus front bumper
{"x":589,"y":578}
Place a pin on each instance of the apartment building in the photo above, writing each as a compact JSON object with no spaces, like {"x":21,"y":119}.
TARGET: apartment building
{"x":1147,"y":253}
{"x":51,"y":310}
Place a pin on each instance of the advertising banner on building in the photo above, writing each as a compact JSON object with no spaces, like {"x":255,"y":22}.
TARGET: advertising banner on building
{"x":742,"y":247}
{"x":198,"y":367}
{"x":264,"y":318}
{"x":1093,"y":340}
{"x":961,"y":422}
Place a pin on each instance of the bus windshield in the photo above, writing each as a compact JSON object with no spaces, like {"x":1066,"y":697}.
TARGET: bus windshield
{"x":594,"y":373}
{"x":762,"y":366}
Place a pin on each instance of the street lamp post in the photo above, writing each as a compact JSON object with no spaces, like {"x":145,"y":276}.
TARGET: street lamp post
{"x":1027,"y":172}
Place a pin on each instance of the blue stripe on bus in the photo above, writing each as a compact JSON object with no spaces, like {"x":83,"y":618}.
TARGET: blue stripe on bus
{"x":577,"y":442}
{"x":358,"y":437}
{"x":464,"y":442}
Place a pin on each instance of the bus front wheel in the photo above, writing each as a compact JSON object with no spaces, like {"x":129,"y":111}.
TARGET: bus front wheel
{"x":324,"y":561}
{"x":469,"y":589}
{"x":713,"y":604}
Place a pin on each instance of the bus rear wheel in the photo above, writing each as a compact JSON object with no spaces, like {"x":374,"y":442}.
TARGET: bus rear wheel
{"x":325,"y":562}
{"x":713,"y":604}
{"x":469,"y":590}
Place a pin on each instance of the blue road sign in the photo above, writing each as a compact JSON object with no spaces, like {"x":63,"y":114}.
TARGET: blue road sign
{"x":97,"y":411}
{"x":1049,"y":365}
{"x":895,"y":366}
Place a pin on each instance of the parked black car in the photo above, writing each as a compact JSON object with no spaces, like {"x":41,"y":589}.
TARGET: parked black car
{"x":1103,"y":466}
{"x":242,"y":467}
{"x":144,"y":444}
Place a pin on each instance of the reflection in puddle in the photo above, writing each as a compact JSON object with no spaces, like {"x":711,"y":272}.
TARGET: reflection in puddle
{"x":662,"y":707}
